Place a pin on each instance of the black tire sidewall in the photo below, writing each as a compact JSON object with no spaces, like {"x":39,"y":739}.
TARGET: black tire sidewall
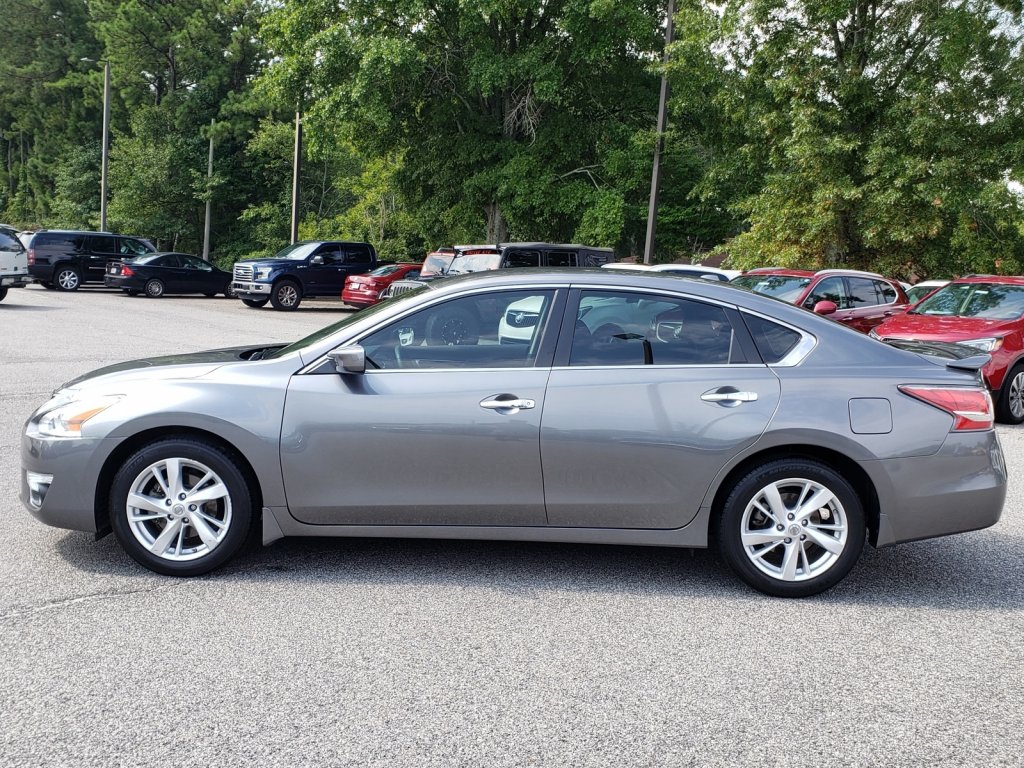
{"x":728,"y":529}
{"x":1003,"y":413}
{"x":255,"y":303}
{"x":220,"y":461}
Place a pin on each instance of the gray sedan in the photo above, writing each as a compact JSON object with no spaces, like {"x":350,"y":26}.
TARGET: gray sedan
{"x":542,"y":405}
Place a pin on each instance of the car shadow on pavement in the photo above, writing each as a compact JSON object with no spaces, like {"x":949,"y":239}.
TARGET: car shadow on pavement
{"x":969,"y":572}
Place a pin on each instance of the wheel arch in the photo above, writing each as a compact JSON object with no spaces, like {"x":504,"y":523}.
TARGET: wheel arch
{"x":130,"y":445}
{"x":844,"y":465}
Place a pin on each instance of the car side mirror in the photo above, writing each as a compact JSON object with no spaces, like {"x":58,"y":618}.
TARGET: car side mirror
{"x":825,"y":308}
{"x":317,"y":260}
{"x":350,"y":359}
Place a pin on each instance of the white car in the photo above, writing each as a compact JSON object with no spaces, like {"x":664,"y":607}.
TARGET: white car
{"x":918,"y":291}
{"x":687,"y":270}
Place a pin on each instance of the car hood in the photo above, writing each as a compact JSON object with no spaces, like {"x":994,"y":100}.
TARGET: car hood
{"x":184,"y":366}
{"x":934,"y":328}
{"x":269,"y":262}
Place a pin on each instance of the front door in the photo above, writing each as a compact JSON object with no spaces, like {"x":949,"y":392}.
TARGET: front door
{"x":655,"y":395}
{"x":443,"y":428}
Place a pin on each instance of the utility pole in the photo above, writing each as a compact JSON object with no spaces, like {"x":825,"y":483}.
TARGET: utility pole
{"x":106,"y":145}
{"x":652,"y":208}
{"x":296,"y":175}
{"x":209,"y":178}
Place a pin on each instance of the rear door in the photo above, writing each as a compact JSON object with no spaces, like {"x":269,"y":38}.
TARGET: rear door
{"x":871,"y":302}
{"x":99,"y":250}
{"x":651,"y":397}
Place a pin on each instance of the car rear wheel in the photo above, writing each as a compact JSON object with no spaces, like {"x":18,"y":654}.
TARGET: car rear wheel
{"x":154,"y":288}
{"x":229,"y":292}
{"x":792,"y":528}
{"x":1010,"y":408}
{"x":286,"y":296}
{"x":181,"y":506}
{"x":3,"y":294}
{"x":66,"y":279}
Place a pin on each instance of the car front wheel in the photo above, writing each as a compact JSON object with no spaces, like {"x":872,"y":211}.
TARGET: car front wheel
{"x":1010,"y":408}
{"x":255,"y":303}
{"x":792,"y":528}
{"x":286,"y":296}
{"x":181,"y":506}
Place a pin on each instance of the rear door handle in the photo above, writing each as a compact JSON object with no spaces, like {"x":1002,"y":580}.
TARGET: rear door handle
{"x":729,"y":398}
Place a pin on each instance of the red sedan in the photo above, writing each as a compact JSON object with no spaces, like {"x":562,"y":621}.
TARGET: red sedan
{"x":366,"y":290}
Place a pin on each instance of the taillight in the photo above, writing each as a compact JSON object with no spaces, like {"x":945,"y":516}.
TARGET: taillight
{"x":971,"y":409}
{"x":31,"y":256}
{"x":127,"y":271}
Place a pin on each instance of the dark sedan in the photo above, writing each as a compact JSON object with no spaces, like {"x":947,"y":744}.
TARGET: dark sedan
{"x":156,"y":274}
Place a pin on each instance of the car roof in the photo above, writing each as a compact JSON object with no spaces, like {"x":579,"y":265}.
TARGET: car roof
{"x":999,"y":279}
{"x":780,"y":271}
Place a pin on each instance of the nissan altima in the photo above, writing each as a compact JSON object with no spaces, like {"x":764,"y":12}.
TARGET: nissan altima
{"x":541,"y":405}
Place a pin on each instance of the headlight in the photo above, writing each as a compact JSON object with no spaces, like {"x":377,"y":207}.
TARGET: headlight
{"x":874,"y":335}
{"x":261,"y":273}
{"x":63,"y":418}
{"x":990,"y":344}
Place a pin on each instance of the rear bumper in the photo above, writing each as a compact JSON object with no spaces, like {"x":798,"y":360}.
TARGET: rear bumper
{"x":961,"y":488}
{"x":15,"y":281}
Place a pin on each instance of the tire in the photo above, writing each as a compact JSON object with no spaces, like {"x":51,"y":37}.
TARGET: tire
{"x":229,"y":292}
{"x":1010,"y":407}
{"x":48,"y":286}
{"x":181,"y":539}
{"x":3,"y":293}
{"x":255,"y":303}
{"x":131,"y":291}
{"x":780,"y":562}
{"x":452,"y":326}
{"x":209,"y":295}
{"x":286,"y":296}
{"x":66,"y":278}
{"x":154,"y":288}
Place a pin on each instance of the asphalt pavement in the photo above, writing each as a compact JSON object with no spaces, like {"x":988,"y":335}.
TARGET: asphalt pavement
{"x":380,"y":652}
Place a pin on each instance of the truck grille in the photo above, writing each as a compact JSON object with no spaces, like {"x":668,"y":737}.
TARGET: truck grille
{"x":243,"y":273}
{"x":399,"y":287}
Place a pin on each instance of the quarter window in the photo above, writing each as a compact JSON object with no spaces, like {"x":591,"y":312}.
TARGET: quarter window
{"x":637,"y":329}
{"x":492,"y":330}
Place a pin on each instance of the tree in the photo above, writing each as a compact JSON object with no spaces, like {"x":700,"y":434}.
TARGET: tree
{"x":862,"y":133}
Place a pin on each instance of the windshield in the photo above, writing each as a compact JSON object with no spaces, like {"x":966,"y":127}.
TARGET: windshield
{"x":436,"y":264}
{"x":296,"y":251}
{"x":785,"y":287}
{"x":474,"y":262}
{"x":362,"y":314}
{"x":989,"y":301}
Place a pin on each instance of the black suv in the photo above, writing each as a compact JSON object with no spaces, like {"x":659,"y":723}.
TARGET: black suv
{"x":64,"y":259}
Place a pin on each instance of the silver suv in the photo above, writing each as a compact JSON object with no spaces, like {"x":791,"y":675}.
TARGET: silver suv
{"x":13,"y":261}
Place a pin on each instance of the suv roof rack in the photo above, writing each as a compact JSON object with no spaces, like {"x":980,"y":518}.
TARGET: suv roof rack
{"x":847,"y":272}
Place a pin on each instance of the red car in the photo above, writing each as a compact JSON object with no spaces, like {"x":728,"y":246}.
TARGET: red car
{"x":365,"y":290}
{"x":985,"y":312}
{"x":860,"y":300}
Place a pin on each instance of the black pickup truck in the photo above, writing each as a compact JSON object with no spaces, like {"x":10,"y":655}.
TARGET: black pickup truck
{"x":305,"y":269}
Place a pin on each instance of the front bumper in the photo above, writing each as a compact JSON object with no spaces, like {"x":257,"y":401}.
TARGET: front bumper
{"x":73,"y":466}
{"x":247,"y":290}
{"x":960,"y":488}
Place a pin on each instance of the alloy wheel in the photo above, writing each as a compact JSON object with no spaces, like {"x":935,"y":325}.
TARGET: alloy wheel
{"x":794,"y":529}
{"x":67,"y":280}
{"x":1016,"y":396}
{"x":179,"y":509}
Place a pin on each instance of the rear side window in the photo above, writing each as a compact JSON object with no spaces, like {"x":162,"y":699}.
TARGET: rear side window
{"x":561,"y":259}
{"x":103,"y":244}
{"x":773,"y":341}
{"x":358,"y":254}
{"x":64,"y":240}
{"x":10,"y":243}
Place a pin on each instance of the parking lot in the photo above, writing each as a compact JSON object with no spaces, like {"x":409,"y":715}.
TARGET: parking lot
{"x":420,"y":653}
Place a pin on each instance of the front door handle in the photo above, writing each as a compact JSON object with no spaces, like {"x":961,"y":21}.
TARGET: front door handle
{"x":729,"y":398}
{"x":509,"y":404}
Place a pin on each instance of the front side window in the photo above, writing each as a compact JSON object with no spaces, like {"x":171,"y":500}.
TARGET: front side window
{"x":637,"y":329}
{"x":830,"y":289}
{"x":488,"y":330}
{"x":517,"y":258}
